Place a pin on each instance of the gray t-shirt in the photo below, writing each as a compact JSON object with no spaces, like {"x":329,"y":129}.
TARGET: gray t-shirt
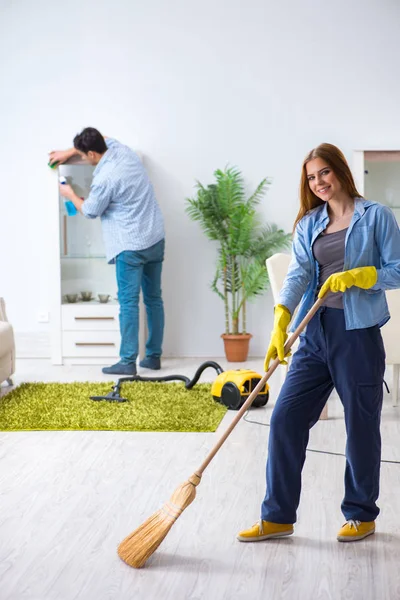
{"x":328,"y":250}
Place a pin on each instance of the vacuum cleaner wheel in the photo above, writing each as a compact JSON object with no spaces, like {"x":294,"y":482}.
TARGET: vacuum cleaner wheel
{"x":230,"y":396}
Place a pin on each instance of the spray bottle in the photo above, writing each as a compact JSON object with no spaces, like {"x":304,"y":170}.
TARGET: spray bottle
{"x":69,"y":206}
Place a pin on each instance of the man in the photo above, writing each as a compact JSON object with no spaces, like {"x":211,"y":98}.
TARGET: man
{"x":122,"y":196}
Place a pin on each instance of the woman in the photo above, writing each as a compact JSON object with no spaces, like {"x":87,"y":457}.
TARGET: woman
{"x":350,"y":246}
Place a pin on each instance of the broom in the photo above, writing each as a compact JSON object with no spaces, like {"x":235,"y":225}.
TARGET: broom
{"x":144,"y":541}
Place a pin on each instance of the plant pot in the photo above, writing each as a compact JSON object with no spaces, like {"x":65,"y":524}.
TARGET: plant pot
{"x":236,"y":346}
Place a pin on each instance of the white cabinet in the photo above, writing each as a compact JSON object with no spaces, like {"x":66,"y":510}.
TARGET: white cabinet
{"x":90,"y":331}
{"x":90,"y":344}
{"x":83,"y":332}
{"x":90,"y":317}
{"x":377,"y":174}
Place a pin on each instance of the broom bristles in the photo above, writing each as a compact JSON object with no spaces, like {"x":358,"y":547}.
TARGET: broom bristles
{"x":144,"y":541}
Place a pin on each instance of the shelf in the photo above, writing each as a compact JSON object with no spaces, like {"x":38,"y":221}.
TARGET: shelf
{"x":91,"y":303}
{"x":80,"y":256}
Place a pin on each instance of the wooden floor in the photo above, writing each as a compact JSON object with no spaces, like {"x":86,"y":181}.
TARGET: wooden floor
{"x":68,"y":498}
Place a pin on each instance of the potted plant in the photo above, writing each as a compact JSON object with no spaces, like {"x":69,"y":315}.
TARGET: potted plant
{"x":230,"y":218}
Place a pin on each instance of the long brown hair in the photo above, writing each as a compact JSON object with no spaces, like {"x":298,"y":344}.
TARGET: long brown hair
{"x":335,"y":159}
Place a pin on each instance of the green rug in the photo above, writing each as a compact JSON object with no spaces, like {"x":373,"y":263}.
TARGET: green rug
{"x":152,"y":407}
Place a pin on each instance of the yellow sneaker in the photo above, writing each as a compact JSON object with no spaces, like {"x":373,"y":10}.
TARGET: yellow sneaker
{"x":352,"y":531}
{"x":264,"y":530}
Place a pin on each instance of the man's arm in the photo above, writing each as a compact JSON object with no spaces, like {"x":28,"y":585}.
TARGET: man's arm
{"x":95,"y":204}
{"x":66,"y":191}
{"x":61,"y":156}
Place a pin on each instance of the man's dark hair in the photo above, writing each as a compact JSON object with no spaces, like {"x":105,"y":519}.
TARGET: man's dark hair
{"x":90,"y":139}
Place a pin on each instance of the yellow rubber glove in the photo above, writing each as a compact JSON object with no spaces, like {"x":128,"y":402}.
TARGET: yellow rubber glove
{"x":362,"y":277}
{"x":278,"y":336}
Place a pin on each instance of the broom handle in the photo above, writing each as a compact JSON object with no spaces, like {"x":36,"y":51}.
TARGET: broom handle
{"x":259,"y":387}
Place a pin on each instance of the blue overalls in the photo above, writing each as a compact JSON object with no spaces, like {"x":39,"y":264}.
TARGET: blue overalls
{"x":353,"y":362}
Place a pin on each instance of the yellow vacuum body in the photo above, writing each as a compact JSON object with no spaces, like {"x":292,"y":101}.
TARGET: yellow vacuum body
{"x":232,"y":388}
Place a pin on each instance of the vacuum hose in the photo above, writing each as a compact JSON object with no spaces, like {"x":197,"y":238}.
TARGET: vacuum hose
{"x":114,"y":395}
{"x":189,"y":383}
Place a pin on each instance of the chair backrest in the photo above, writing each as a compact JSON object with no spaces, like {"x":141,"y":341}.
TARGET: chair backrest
{"x":3,"y":314}
{"x":277,"y":267}
{"x":391,"y":331}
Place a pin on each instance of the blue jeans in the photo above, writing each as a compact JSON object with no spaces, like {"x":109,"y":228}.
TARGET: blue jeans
{"x":135,"y":270}
{"x":354,"y":363}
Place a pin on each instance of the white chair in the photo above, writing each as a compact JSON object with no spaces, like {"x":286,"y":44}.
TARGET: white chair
{"x":7,"y":347}
{"x":391,"y":339}
{"x":277,"y":267}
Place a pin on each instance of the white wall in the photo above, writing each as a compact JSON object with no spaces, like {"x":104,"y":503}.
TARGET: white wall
{"x":194,"y":86}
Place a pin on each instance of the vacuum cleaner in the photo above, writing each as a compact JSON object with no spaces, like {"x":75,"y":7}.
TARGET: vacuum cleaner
{"x":231,"y":388}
